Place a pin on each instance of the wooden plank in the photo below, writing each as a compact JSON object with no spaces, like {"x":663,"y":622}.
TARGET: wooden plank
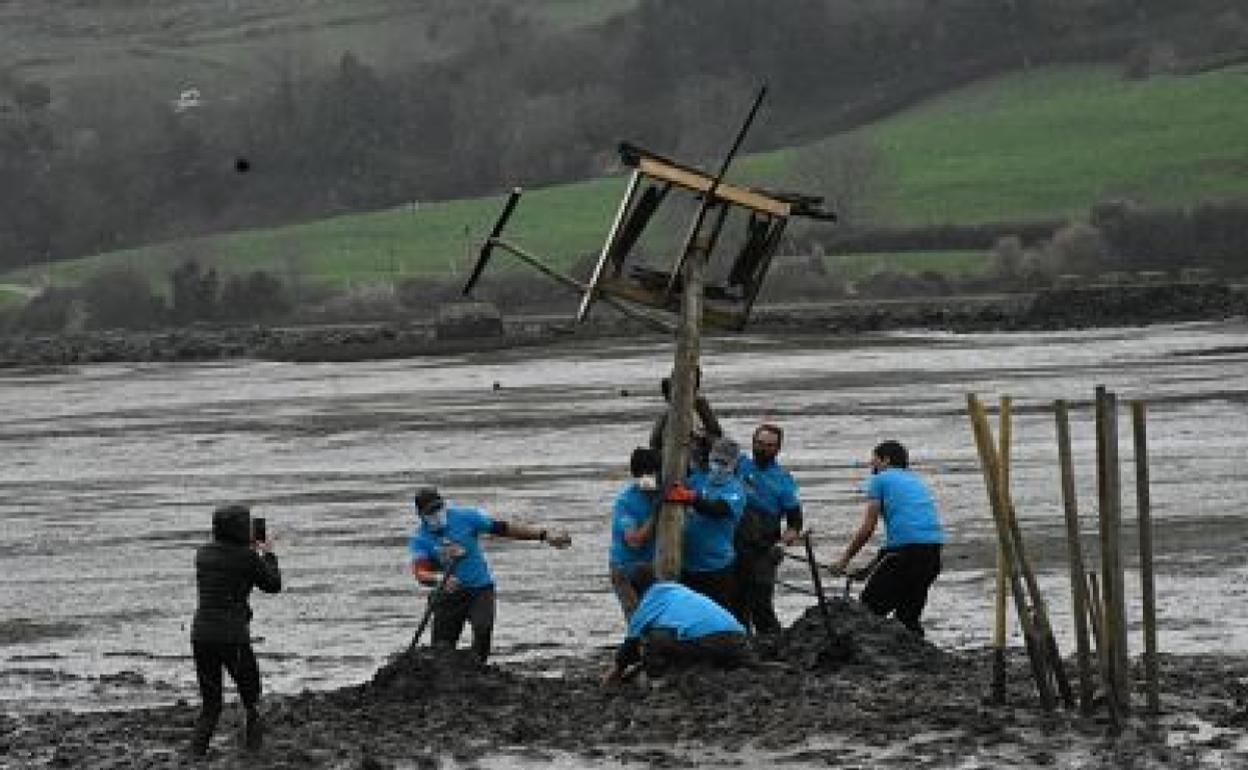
{"x":699,"y":182}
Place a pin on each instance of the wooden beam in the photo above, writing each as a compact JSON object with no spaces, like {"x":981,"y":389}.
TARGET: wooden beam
{"x":701,"y":183}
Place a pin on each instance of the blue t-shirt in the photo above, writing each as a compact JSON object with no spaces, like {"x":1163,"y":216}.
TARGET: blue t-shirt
{"x":683,"y":611}
{"x":463,"y":526}
{"x":632,"y":509}
{"x":770,"y":491}
{"x":907,"y":506}
{"x":708,"y":539}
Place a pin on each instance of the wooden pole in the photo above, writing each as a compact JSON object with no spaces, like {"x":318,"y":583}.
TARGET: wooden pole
{"x":1040,"y":613}
{"x":1000,"y":516}
{"x":1147,"y":593}
{"x":692,"y":269}
{"x":670,"y":533}
{"x":1096,"y":614}
{"x":1111,"y":538}
{"x":999,"y":614}
{"x":1078,"y":583}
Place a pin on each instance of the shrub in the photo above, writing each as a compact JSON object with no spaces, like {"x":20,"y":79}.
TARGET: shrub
{"x":121,"y":298}
{"x":1077,"y":248}
{"x":256,"y":296}
{"x":49,"y":311}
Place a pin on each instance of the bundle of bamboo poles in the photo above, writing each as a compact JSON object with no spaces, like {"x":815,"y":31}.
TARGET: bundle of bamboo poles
{"x":1098,"y":606}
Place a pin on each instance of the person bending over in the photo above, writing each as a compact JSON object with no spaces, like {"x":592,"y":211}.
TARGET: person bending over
{"x":909,"y":562}
{"x":675,"y":627}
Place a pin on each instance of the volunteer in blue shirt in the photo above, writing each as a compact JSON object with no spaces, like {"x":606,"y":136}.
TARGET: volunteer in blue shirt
{"x":676,"y":627}
{"x":717,"y":501}
{"x":447,"y":538}
{"x":909,"y":562}
{"x":632,"y":526}
{"x":773,"y":515}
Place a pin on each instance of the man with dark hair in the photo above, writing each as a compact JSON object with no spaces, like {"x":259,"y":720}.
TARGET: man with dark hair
{"x":771,"y":498}
{"x":632,"y":526}
{"x":446,"y":539}
{"x":226,"y":569}
{"x":676,"y":627}
{"x":717,"y":502}
{"x":909,"y":562}
{"x":710,"y":428}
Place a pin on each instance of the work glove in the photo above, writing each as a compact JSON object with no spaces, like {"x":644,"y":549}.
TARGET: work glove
{"x":679,"y":493}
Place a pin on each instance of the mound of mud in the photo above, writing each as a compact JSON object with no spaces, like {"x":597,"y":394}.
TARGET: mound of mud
{"x":871,"y":695}
{"x":858,"y":639}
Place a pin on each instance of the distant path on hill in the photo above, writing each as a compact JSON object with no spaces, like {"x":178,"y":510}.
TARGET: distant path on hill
{"x":17,"y":288}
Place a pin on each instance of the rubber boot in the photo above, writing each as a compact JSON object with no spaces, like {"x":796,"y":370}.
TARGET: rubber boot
{"x":253,"y":730}
{"x":205,"y":724}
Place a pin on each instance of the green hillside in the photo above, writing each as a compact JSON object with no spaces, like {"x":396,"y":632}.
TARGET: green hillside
{"x":1045,"y":143}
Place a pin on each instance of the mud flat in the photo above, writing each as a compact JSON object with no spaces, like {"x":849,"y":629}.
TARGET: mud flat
{"x":875,"y":696}
{"x":1050,"y":310}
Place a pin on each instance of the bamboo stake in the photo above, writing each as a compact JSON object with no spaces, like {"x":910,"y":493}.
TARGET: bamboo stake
{"x":1078,"y":584}
{"x":1044,"y":629}
{"x":1144,"y":508}
{"x":999,"y":614}
{"x":1000,"y":516}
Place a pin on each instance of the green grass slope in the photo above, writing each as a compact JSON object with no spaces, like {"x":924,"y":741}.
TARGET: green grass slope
{"x":1040,"y":144}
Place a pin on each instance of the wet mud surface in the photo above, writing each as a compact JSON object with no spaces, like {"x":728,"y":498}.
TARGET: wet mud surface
{"x":875,"y":696}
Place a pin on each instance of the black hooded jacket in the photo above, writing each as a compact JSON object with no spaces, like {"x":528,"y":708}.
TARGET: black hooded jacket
{"x":225,"y":572}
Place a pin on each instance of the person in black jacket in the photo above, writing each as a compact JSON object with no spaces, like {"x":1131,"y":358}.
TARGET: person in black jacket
{"x":226,"y":569}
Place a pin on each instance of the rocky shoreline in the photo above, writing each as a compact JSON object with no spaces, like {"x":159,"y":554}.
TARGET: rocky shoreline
{"x":871,"y":696}
{"x":1048,"y":310}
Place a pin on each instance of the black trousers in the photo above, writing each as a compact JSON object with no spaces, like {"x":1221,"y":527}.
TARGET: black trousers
{"x":900,"y":582}
{"x":720,"y":586}
{"x":238,"y":660}
{"x":756,"y":573}
{"x":474,"y":606}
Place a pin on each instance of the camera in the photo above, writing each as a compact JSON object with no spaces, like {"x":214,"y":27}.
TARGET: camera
{"x":258,"y":531}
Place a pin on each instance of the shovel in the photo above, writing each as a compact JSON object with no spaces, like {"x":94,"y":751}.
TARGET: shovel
{"x":433,"y":600}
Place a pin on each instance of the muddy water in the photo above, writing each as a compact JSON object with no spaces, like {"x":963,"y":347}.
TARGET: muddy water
{"x":110,"y":474}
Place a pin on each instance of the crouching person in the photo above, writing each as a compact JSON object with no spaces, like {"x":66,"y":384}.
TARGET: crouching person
{"x":675,"y":627}
{"x":226,"y":569}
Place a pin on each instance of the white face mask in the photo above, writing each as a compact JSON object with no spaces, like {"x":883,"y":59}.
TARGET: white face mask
{"x":435,"y":519}
{"x":720,"y":471}
{"x":647,"y":483}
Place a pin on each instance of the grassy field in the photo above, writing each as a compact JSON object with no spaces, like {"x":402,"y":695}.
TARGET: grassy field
{"x":225,"y":46}
{"x":1040,"y":144}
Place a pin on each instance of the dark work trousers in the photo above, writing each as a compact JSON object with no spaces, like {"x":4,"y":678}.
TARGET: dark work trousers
{"x":900,"y":582}
{"x":756,"y":573}
{"x":472,"y":605}
{"x":662,"y":653}
{"x":239,"y":662}
{"x":720,"y":586}
{"x":625,"y":589}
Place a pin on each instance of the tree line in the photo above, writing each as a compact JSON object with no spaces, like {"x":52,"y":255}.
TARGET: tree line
{"x":116,"y":167}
